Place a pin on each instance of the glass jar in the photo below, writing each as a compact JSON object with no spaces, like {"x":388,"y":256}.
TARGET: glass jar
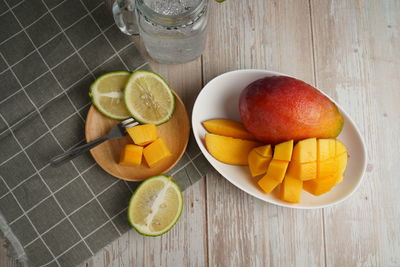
{"x":173,"y":31}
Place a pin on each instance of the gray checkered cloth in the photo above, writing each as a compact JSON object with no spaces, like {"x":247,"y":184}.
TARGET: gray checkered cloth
{"x":50,"y":52}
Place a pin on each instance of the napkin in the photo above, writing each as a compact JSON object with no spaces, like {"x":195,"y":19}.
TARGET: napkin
{"x":50,"y":52}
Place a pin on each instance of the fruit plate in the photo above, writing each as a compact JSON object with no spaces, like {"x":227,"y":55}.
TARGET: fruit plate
{"x":175,"y":133}
{"x":220,"y":99}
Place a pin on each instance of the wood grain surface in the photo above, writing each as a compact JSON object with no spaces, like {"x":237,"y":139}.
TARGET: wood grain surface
{"x":348,"y":49}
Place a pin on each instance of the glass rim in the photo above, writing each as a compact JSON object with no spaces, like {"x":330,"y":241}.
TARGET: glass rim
{"x":170,"y":20}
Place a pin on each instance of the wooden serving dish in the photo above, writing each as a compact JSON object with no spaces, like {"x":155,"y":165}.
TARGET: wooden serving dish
{"x":175,"y":133}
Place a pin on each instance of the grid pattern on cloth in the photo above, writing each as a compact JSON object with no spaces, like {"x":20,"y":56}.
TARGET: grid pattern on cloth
{"x":50,"y":52}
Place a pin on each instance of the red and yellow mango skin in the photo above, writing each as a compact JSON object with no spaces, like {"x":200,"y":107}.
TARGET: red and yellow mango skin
{"x":279,"y":108}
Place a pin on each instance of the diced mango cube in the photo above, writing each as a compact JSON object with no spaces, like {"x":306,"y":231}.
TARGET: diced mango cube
{"x":143,"y":134}
{"x":156,"y":152}
{"x":265,"y":151}
{"x":131,"y":155}
{"x":326,"y":149}
{"x":257,"y":163}
{"x":268,"y":184}
{"x":327,"y":168}
{"x":340,"y":148}
{"x":283,"y":151}
{"x":277,"y":169}
{"x":305,"y":150}
{"x":317,"y":188}
{"x":291,"y":189}
{"x":302,"y":171}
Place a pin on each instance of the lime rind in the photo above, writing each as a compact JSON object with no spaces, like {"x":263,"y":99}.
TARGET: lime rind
{"x":92,"y":95}
{"x":135,"y":115}
{"x":173,"y":222}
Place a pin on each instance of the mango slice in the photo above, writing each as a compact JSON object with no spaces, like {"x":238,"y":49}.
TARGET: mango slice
{"x":229,"y":150}
{"x":228,"y":128}
{"x":291,"y":189}
{"x":143,"y":134}
{"x":268,"y":184}
{"x":257,"y":163}
{"x":283,"y":151}
{"x":131,"y":155}
{"x":156,"y":152}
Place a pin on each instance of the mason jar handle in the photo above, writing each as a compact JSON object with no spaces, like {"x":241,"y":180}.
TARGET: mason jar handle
{"x":124,"y":16}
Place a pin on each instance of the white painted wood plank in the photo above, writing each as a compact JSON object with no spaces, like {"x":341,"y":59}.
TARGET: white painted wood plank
{"x":357,"y":48}
{"x":244,"y":231}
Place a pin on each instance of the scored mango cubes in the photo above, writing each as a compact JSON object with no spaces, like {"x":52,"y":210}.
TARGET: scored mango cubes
{"x":259,"y":159}
{"x":291,"y":189}
{"x":277,"y":167}
{"x":156,"y":152}
{"x":131,"y":155}
{"x":143,"y":134}
{"x":304,"y":161}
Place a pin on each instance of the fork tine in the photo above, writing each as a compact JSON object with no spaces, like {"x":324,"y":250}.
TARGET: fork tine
{"x":128,"y":120}
{"x":128,"y":123}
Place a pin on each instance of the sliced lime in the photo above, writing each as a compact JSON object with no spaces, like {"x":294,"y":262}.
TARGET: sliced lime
{"x":149,"y":98}
{"x":155,"y":206}
{"x":107,"y":94}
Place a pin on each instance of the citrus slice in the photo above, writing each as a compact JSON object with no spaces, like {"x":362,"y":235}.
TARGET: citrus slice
{"x":149,"y":98}
{"x":155,"y":206}
{"x":107,"y":94}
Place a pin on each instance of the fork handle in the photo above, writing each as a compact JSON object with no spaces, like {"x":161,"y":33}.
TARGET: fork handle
{"x":73,"y":153}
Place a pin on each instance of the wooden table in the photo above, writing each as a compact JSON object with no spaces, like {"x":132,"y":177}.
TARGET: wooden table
{"x":350,"y":50}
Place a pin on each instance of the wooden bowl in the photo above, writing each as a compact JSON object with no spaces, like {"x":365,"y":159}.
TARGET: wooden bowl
{"x":175,"y":134}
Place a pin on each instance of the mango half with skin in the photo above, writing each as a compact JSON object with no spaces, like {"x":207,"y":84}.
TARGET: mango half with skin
{"x":279,"y":108}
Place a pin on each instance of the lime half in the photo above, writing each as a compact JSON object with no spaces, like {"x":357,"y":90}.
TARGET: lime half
{"x":107,"y":94}
{"x":149,"y":98}
{"x":155,"y":206}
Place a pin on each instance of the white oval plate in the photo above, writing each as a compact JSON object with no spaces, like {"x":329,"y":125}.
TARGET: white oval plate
{"x":220,"y":99}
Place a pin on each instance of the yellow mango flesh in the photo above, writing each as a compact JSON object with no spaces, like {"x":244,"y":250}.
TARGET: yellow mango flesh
{"x":229,"y":150}
{"x":326,"y":149}
{"x":265,"y":151}
{"x":131,"y":155}
{"x":303,"y":171}
{"x":327,"y":168}
{"x":268,"y":184}
{"x":319,"y":187}
{"x":283,"y":151}
{"x":277,"y":169}
{"x":291,"y":189}
{"x":257,"y":163}
{"x":340,"y":148}
{"x":228,"y":128}
{"x":143,"y":134}
{"x":341,"y":162}
{"x":305,"y":151}
{"x":156,"y":152}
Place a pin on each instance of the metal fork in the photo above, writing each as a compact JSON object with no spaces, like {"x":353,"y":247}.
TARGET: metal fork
{"x":116,"y":132}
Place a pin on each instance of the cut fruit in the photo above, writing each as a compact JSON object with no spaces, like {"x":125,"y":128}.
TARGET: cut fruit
{"x":265,"y":151}
{"x":257,"y":163}
{"x":143,"y":134}
{"x":227,"y":127}
{"x":291,"y":189}
{"x":107,"y":94}
{"x":149,"y":98}
{"x":156,"y":152}
{"x":283,"y":151}
{"x":305,"y":151}
{"x":155,"y":206}
{"x":131,"y":155}
{"x":302,"y":171}
{"x":326,"y":149}
{"x":277,"y":169}
{"x":268,"y":184}
{"x":229,"y":150}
